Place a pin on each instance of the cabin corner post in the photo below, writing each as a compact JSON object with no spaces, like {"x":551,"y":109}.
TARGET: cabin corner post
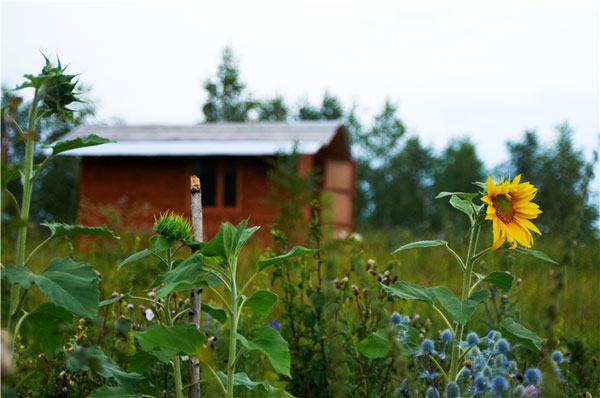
{"x":196,"y":294}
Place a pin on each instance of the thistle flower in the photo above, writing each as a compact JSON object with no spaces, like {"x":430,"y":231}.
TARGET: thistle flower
{"x":490,"y":334}
{"x":502,"y":346}
{"x":472,"y":339}
{"x":465,"y":374}
{"x":519,"y":391}
{"x":533,"y":376}
{"x":446,"y":336}
{"x":557,"y":356}
{"x":432,"y":393}
{"x":510,"y":209}
{"x":428,"y":347}
{"x":481,"y":384}
{"x":129,"y":306}
{"x":173,"y":226}
{"x":396,"y":318}
{"x":499,"y":385}
{"x":452,"y":390}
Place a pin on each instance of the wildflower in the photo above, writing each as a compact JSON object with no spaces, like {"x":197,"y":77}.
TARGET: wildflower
{"x":519,"y":280}
{"x":533,"y":376}
{"x":502,"y":346}
{"x":452,"y":390}
{"x":149,"y":314}
{"x":465,"y":374}
{"x":173,"y":311}
{"x":557,"y":356}
{"x":519,"y":391}
{"x":499,"y":385}
{"x":65,"y":389}
{"x":428,"y":347}
{"x":510,"y":208}
{"x":472,"y":339}
{"x":481,"y":384}
{"x":531,"y":391}
{"x":446,"y":336}
{"x":274,"y":325}
{"x":184,"y":357}
{"x":491,"y":334}
{"x":129,"y":306}
{"x":396,"y":318}
{"x":432,"y":393}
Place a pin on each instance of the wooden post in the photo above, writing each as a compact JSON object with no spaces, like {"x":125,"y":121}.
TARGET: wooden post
{"x":196,"y":295}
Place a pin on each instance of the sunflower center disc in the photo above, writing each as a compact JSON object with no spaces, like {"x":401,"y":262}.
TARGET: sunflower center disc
{"x":503,"y":207}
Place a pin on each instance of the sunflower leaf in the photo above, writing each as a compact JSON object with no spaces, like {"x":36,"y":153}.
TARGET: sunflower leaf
{"x":463,"y":205}
{"x":535,"y":253}
{"x":466,"y":196}
{"x":521,"y":334}
{"x":422,"y":243}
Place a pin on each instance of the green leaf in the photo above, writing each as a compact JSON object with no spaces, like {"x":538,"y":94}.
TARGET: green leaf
{"x":215,"y":312}
{"x":59,"y":229}
{"x":113,"y":392}
{"x":410,"y":291}
{"x":375,"y":346}
{"x":564,"y":366}
{"x":181,"y":339}
{"x":162,"y":243}
{"x":140,"y":362}
{"x":93,"y":359}
{"x":534,"y":253}
{"x":500,"y":279}
{"x":68,"y":284}
{"x":81,"y":142}
{"x":269,"y":342}
{"x":228,"y":242}
{"x":463,"y":195}
{"x":242,"y":379}
{"x":113,"y":299}
{"x":296,"y":251}
{"x":10,"y":172}
{"x":461,"y":311}
{"x":186,"y":276}
{"x":462,"y":205}
{"x":262,"y":302}
{"x":48,"y":325}
{"x":520,"y":334}
{"x":423,"y":243}
{"x":135,"y":257}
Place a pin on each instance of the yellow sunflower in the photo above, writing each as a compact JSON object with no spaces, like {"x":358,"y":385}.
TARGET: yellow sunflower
{"x":510,"y":209}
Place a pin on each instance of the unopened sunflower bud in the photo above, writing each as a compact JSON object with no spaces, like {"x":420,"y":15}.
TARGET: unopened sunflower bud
{"x":354,"y":290}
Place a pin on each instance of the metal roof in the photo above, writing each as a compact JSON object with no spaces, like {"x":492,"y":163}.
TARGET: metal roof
{"x":208,"y":139}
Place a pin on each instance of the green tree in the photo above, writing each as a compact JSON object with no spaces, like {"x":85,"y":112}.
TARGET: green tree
{"x":331,"y":109}
{"x":273,"y":110}
{"x":226,"y":98}
{"x":457,"y":169}
{"x":382,"y":140}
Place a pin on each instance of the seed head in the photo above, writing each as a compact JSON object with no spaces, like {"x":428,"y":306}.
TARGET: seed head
{"x":499,"y":385}
{"x":396,"y":318}
{"x":446,"y":336}
{"x":533,"y":376}
{"x":481,"y":384}
{"x":428,"y":347}
{"x":502,"y":346}
{"x":472,"y":339}
{"x":557,"y":356}
{"x":432,"y":393}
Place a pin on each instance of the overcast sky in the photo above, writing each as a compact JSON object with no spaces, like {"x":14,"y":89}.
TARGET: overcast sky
{"x":488,"y":70}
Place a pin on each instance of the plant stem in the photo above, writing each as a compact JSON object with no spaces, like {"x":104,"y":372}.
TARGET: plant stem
{"x":453,"y":374}
{"x":169,"y":322}
{"x":15,"y":290}
{"x":232,"y":340}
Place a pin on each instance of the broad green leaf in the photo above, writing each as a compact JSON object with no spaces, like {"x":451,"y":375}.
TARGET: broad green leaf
{"x":162,"y":244}
{"x":60,"y":229}
{"x":229,"y":240}
{"x":10,"y":171}
{"x":262,"y":302}
{"x":463,"y":195}
{"x":93,"y":359}
{"x":68,"y":284}
{"x":48,"y":325}
{"x":181,"y":339}
{"x":242,"y":379}
{"x":215,"y":312}
{"x":113,"y":392}
{"x":269,"y":342}
{"x":140,"y":362}
{"x":423,"y":243}
{"x":410,"y":291}
{"x":534,"y":253}
{"x":81,"y":142}
{"x":135,"y":257}
{"x":520,"y":334}
{"x":375,"y":346}
{"x":296,"y":251}
{"x":462,"y":205}
{"x":461,"y":311}
{"x":500,"y":279}
{"x":113,"y":299}
{"x":186,"y":276}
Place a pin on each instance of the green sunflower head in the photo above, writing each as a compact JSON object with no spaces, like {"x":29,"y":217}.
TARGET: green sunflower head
{"x":173,"y":226}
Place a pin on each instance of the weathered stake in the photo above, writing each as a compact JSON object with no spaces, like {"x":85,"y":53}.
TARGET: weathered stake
{"x":196,"y":295}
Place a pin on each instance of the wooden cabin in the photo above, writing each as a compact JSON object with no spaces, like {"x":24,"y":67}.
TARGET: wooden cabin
{"x":148,"y":169}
